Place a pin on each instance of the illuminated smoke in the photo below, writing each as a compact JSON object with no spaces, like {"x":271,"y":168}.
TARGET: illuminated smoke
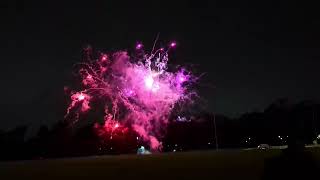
{"x":137,"y":92}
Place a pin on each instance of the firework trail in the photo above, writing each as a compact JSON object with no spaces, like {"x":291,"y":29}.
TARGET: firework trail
{"x":138,"y":92}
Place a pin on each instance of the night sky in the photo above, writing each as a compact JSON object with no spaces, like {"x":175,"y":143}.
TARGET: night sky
{"x":252,"y":52}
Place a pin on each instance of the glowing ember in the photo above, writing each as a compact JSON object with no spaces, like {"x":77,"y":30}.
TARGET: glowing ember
{"x":104,"y":57}
{"x":139,"y":46}
{"x":173,"y":44}
{"x":81,"y":97}
{"x":135,"y":93}
{"x":89,"y":77}
{"x":116,"y":125}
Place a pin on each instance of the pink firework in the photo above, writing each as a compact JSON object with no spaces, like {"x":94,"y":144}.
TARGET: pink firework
{"x":138,"y":93}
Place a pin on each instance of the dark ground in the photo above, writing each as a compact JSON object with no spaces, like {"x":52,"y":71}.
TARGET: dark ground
{"x":251,"y":164}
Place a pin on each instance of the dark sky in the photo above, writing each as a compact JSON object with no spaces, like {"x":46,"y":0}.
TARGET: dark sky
{"x":253,"y":52}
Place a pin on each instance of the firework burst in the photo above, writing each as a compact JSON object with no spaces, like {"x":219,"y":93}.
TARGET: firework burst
{"x":137,"y":92}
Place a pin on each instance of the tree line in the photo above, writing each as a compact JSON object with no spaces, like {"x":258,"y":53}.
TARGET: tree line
{"x":281,"y":123}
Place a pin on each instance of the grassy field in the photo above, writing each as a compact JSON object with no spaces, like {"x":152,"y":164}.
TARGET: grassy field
{"x":225,"y":164}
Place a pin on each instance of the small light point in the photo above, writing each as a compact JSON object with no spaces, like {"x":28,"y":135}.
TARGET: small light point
{"x":139,"y":46}
{"x":173,"y":44}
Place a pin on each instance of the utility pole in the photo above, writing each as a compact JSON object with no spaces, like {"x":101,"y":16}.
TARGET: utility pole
{"x":215,"y":131}
{"x":314,"y":120}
